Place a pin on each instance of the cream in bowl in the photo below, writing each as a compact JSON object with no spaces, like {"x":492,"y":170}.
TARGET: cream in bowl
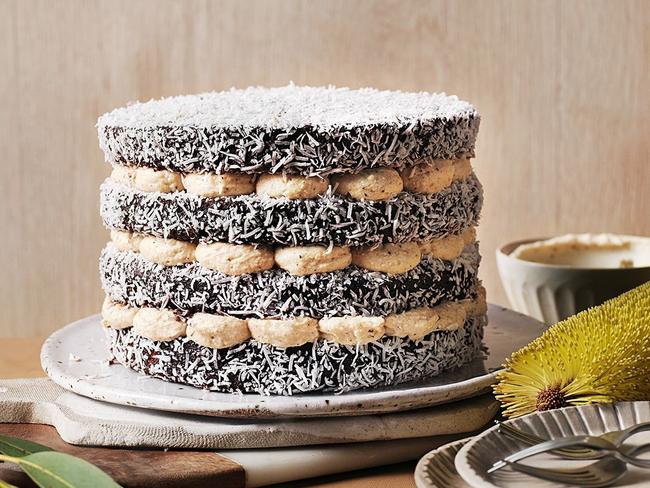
{"x":588,"y":251}
{"x":551,"y":279}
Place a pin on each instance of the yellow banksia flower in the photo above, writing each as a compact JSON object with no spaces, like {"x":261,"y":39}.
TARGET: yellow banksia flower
{"x":601,"y":355}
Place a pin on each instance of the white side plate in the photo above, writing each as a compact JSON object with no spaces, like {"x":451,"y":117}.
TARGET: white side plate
{"x":478,"y":455}
{"x":76,"y":357}
{"x":436,"y":469}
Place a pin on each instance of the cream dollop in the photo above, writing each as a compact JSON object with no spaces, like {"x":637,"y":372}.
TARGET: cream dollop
{"x":370,"y":184}
{"x":351,"y":330}
{"x":420,"y":322}
{"x":451,"y":315}
{"x":448,"y":248}
{"x":478,"y":306}
{"x":123,"y":174}
{"x":388,"y":258}
{"x":117,"y":315}
{"x":462,"y":169}
{"x":168,"y":252}
{"x":415,"y":323}
{"x":284,"y":332}
{"x":126,"y":241}
{"x":235,"y":259}
{"x":218,"y":185}
{"x":469,"y":235}
{"x":291,"y":186}
{"x":151,"y":180}
{"x":305,"y":260}
{"x":428,"y":177}
{"x":217,"y":331}
{"x":158,"y":325}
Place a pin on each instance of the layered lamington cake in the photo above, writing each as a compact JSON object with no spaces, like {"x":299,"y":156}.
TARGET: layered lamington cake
{"x":288,"y":240}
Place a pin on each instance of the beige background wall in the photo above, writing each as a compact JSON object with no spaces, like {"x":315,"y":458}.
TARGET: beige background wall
{"x":563,"y":88}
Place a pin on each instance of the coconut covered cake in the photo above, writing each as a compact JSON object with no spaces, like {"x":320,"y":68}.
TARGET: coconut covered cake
{"x":288,"y":240}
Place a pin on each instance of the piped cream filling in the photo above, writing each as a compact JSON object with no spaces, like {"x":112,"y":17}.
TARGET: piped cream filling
{"x":238,"y":259}
{"x":352,"y":330}
{"x":305,"y":260}
{"x":222,"y":331}
{"x":217,"y":331}
{"x":117,"y":315}
{"x":150,"y":180}
{"x":126,"y":241}
{"x":370,"y":184}
{"x":284,"y":332}
{"x":447,"y":248}
{"x":292,"y":187}
{"x":429,"y":176}
{"x":168,"y":252}
{"x":234,"y":259}
{"x":218,"y":185}
{"x":388,"y":258}
{"x":158,"y":324}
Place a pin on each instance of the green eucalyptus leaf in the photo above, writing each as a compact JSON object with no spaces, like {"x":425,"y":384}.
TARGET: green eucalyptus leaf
{"x":12,"y":446}
{"x":58,"y":470}
{"x":4,"y":484}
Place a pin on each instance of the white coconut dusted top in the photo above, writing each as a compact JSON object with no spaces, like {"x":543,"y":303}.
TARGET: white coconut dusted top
{"x":292,"y":130}
{"x":289,"y":107}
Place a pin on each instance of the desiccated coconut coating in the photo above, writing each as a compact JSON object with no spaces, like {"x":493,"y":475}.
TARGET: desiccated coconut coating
{"x":329,"y":219}
{"x":253,"y":367}
{"x":301,"y":130}
{"x":129,"y":278}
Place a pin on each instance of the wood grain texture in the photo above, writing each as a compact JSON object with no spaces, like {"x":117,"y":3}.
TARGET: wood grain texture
{"x":562,"y":88}
{"x":133,"y":468}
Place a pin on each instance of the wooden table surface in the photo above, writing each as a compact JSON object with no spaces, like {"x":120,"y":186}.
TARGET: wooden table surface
{"x":20,"y":359}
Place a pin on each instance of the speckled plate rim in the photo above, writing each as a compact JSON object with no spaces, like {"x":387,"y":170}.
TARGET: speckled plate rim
{"x":591,"y":419}
{"x":90,"y":376}
{"x":427,"y":465}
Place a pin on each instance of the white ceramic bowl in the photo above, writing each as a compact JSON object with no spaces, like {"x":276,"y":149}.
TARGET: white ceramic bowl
{"x":551,"y":292}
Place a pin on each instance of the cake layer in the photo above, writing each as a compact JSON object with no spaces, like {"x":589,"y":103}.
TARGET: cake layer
{"x":129,"y":278}
{"x":299,"y":130}
{"x":254,"y":367}
{"x":328,"y":219}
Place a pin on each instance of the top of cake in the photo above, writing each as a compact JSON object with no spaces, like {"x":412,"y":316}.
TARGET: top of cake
{"x":291,"y":129}
{"x":289,"y":107}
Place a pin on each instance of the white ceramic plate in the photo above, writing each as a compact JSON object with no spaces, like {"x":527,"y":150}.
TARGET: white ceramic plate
{"x":478,"y":455}
{"x":436,"y":469}
{"x":75,"y":357}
